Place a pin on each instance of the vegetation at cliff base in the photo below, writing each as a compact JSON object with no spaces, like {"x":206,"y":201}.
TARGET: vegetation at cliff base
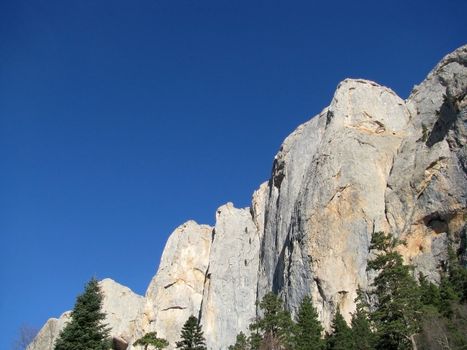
{"x":396,"y":312}
{"x":192,"y":336}
{"x":275,"y":327}
{"x":151,"y":339}
{"x":308,"y":330}
{"x":86,"y":330}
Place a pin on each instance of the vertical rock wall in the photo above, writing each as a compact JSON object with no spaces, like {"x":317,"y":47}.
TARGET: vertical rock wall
{"x":176,"y":291}
{"x":230,"y":289}
{"x":370,"y":161}
{"x":427,"y":189}
{"x":325,"y":203}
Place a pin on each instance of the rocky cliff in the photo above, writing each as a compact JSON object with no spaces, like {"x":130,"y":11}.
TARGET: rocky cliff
{"x":370,"y":161}
{"x":121,"y":307}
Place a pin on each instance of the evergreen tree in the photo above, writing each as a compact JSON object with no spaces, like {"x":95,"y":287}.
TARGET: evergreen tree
{"x":308,"y":328}
{"x":151,"y":339}
{"x":457,"y":275}
{"x":398,"y":309}
{"x":276,"y":326}
{"x":254,"y":340}
{"x":86,"y":331}
{"x":429,"y":293}
{"x":341,"y":336}
{"x":192,"y":336}
{"x":447,"y":297}
{"x":241,"y":342}
{"x":362,"y":335}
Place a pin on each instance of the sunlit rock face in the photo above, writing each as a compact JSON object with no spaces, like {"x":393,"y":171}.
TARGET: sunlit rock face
{"x":46,"y":337}
{"x":120,"y":305}
{"x":368,"y":162}
{"x":231,"y":280}
{"x":327,"y":196}
{"x":427,"y":189}
{"x":176,"y":291}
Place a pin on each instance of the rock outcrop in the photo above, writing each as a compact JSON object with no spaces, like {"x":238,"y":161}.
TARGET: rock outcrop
{"x":176,"y":292}
{"x":427,"y":188}
{"x":120,"y":305}
{"x":368,"y":162}
{"x":231,"y":280}
{"x":46,"y":337}
{"x":327,"y":197}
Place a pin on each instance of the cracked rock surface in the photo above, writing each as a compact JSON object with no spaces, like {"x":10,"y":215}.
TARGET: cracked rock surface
{"x":176,"y":291}
{"x":370,"y":161}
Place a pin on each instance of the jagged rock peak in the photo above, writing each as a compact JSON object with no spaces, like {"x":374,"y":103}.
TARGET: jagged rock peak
{"x":370,"y":161}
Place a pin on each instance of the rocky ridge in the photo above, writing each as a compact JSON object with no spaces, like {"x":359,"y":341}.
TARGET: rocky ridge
{"x":370,"y":161}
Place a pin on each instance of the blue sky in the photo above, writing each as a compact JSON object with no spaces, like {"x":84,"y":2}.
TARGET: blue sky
{"x":120,"y":120}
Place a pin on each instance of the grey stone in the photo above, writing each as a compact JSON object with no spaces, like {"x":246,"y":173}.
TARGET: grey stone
{"x":232,"y":277}
{"x":176,"y":291}
{"x":120,"y":305}
{"x":368,"y":162}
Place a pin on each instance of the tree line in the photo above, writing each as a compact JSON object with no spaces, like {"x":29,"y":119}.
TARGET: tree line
{"x":86,"y":330}
{"x":396,"y":312}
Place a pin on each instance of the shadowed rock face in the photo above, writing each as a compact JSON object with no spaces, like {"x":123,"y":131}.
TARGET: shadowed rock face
{"x":426,"y":194}
{"x":368,"y":162}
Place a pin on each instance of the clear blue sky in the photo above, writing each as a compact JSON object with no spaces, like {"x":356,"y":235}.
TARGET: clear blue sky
{"x":120,"y":120}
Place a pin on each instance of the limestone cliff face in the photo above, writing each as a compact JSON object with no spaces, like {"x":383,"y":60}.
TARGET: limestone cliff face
{"x":207,"y":272}
{"x":427,"y":188}
{"x":46,"y":337}
{"x":230,"y":288}
{"x":368,"y":162}
{"x":327,"y":197}
{"x":176,"y":291}
{"x":120,"y":305}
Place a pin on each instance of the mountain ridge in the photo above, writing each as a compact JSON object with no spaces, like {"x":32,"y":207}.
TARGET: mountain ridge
{"x":369,"y":161}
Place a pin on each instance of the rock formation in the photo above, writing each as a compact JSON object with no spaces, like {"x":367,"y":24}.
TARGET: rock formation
{"x":230,"y":289}
{"x":370,"y":161}
{"x":121,"y":307}
{"x":176,"y":292}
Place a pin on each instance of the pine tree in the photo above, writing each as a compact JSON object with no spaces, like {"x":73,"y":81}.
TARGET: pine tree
{"x":276,"y":326}
{"x":447,"y":297}
{"x":341,"y":336}
{"x":241,"y":342}
{"x":254,"y":340}
{"x":362,"y":335}
{"x":192,"y":336}
{"x":398,"y":309}
{"x":308,"y":328}
{"x":429,"y":293}
{"x":457,"y":275}
{"x":86,"y":331}
{"x":151,"y":339}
